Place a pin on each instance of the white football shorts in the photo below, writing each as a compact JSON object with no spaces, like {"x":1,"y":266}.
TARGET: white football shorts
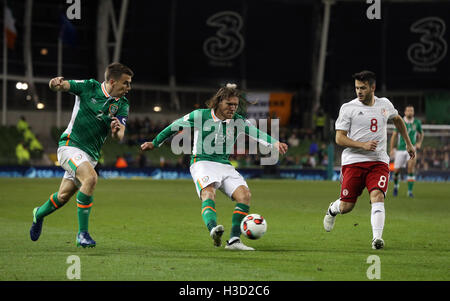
{"x":223,"y":176}
{"x":70,"y":158}
{"x":401,"y":158}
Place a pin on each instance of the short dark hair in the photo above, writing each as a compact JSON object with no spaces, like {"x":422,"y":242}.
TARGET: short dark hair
{"x":365,"y":76}
{"x":115,"y":71}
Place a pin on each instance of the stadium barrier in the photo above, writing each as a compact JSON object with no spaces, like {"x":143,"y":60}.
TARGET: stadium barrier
{"x":177,"y":173}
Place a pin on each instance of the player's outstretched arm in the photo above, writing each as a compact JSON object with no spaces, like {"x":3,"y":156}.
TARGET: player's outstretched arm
{"x":343,"y":140}
{"x":147,"y":146}
{"x":59,"y":84}
{"x":174,"y":128}
{"x":401,"y":127}
{"x":281,"y":147}
{"x":160,"y":138}
{"x":264,"y":138}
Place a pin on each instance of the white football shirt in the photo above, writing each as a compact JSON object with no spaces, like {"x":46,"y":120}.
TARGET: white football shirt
{"x":364,"y":123}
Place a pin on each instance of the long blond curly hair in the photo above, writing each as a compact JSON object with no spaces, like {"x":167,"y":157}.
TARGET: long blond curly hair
{"x":230,"y":90}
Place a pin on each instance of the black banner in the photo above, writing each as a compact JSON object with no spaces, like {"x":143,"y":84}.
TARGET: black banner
{"x":261,"y":41}
{"x":418,"y":46}
{"x":271,"y":44}
{"x":407,"y":47}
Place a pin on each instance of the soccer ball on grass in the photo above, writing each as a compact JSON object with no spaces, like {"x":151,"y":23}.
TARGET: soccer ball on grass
{"x":253,"y":226}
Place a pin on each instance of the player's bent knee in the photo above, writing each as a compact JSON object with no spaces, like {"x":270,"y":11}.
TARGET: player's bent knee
{"x":67,"y":189}
{"x":347,"y":205}
{"x":376,"y":196}
{"x":90,"y":181}
{"x":242,"y":195}
{"x":345,"y":210}
{"x":244,"y":198}
{"x":207,"y":193}
{"x":64,"y":197}
{"x":247,"y":196}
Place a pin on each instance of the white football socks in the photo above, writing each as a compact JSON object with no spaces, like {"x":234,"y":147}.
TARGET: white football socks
{"x":335,"y":207}
{"x":377,"y":219}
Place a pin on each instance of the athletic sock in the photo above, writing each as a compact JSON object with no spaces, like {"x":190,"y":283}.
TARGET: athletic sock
{"x":84,"y":204}
{"x":335,"y":207}
{"x":377,"y":219}
{"x":411,"y":180}
{"x":48,"y":207}
{"x":240,"y":211}
{"x":396,"y":176}
{"x":209,"y":214}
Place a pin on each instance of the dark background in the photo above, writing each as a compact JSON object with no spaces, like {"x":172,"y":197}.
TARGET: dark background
{"x":281,"y":46}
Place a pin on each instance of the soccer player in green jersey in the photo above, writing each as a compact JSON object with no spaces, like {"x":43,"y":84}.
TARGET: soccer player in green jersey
{"x":100,"y":109}
{"x":216,"y":130}
{"x":398,"y":147}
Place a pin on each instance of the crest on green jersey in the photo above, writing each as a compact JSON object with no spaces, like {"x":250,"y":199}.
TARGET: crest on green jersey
{"x":113,"y":110}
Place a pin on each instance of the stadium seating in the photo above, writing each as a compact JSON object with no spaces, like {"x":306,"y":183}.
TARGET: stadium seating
{"x":297,"y":157}
{"x":10,"y":137}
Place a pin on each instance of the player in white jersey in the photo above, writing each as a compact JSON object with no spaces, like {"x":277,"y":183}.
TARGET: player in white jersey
{"x":361,"y":129}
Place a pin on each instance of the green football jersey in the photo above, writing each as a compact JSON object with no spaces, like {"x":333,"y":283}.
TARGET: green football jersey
{"x":214,"y":139}
{"x":91,"y":116}
{"x":413,"y":127}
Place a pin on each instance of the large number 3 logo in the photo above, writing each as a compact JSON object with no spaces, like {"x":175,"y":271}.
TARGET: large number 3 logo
{"x":433,"y":47}
{"x":228,"y":42}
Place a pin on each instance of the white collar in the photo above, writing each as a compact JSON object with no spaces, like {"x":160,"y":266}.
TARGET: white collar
{"x":106,"y":92}
{"x":407,"y":121}
{"x":215,"y":118}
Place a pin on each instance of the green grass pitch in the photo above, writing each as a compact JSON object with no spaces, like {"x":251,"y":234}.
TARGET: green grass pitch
{"x":153,"y":230}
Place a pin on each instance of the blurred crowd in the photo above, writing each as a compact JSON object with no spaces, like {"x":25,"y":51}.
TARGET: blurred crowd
{"x":142,"y":161}
{"x":308,"y":149}
{"x":433,"y":159}
{"x":29,"y":146}
{"x":312,"y":149}
{"x":139,"y":131}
